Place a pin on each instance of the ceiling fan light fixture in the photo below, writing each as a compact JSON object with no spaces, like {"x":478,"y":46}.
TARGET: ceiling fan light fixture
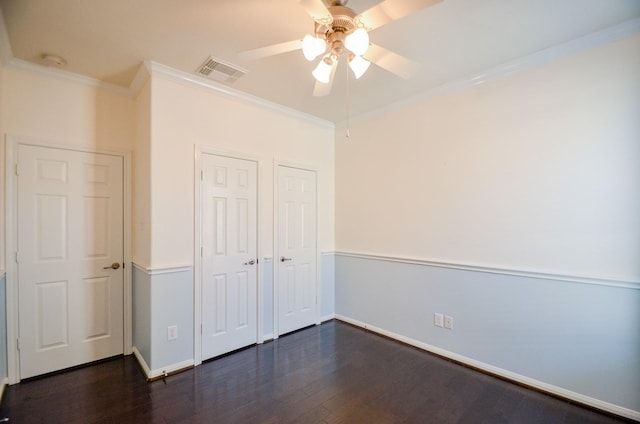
{"x":357,"y":41}
{"x":322,"y":73}
{"x":312,"y":47}
{"x":358,"y":65}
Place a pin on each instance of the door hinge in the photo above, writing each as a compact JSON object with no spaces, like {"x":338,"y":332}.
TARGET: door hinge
{"x":201,"y":251}
{"x":201,"y":175}
{"x":201,"y":327}
{"x":17,"y":257}
{"x":17,"y":169}
{"x":18,"y":344}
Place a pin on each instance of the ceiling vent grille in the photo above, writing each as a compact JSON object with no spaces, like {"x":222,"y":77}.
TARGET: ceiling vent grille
{"x":217,"y":70}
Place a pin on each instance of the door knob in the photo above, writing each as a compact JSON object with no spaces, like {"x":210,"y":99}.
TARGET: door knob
{"x":114,"y":265}
{"x":251,"y":262}
{"x":282,"y":259}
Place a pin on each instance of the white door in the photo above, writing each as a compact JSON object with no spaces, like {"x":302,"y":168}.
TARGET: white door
{"x":297,"y":249}
{"x":229,"y":250}
{"x":70,"y":232}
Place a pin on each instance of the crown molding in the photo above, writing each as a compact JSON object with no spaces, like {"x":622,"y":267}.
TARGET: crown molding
{"x":5,"y":46}
{"x":157,"y":69}
{"x":67,"y":76}
{"x":559,"y":51}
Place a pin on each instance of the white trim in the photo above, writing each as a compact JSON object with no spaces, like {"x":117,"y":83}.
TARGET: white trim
{"x":11,"y":242}
{"x":326,"y":318}
{"x":607,"y":35}
{"x":11,"y":286}
{"x":60,"y":74}
{"x":267,"y":337}
{"x":127,"y":298}
{"x":150,"y":374}
{"x":549,"y":388}
{"x":200,"y":150}
{"x":142,"y":75}
{"x":497,"y":270}
{"x":162,"y":270}
{"x":520,"y":64}
{"x":192,"y":80}
{"x":197,"y":258}
{"x":141,"y":361}
{"x":276,"y":249}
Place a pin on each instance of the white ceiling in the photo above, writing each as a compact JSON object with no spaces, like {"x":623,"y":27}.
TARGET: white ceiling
{"x":108,"y":40}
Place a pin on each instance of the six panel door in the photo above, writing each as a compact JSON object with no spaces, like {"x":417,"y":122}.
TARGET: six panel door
{"x":297,"y":247}
{"x":229,"y":254}
{"x":70,"y":274}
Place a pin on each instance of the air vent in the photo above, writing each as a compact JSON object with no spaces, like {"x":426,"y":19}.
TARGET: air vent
{"x":217,"y":70}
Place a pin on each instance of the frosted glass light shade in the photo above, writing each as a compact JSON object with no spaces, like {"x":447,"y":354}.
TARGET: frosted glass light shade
{"x":323,"y":71}
{"x":359,"y":65}
{"x":357,"y":41}
{"x":312,"y":47}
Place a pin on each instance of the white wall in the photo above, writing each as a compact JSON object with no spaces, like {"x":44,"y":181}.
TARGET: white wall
{"x":184,"y":116}
{"x":42,"y":108}
{"x":549,"y":156}
{"x":62,"y":111}
{"x":538,"y":173}
{"x":141,"y":175}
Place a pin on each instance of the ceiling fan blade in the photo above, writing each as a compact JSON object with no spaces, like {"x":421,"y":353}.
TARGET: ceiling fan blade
{"x":391,"y":10}
{"x":321,"y":89}
{"x":274,"y":49}
{"x":317,"y":10}
{"x":391,"y":61}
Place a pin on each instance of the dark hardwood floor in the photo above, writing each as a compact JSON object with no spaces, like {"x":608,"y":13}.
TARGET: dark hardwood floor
{"x":333,"y":373}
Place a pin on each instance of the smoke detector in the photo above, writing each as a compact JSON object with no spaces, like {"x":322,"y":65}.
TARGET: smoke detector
{"x":52,"y":60}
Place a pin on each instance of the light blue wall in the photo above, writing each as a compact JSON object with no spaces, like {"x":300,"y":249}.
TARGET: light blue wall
{"x":142,"y":313}
{"x":160,"y":300}
{"x":580,"y":337}
{"x":327,"y":286}
{"x":171,"y":304}
{"x":165,"y":298}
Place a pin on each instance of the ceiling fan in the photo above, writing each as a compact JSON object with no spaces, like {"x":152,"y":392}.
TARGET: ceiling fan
{"x":339,"y":31}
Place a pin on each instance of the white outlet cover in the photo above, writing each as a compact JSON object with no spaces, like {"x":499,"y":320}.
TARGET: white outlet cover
{"x":172,"y":332}
{"x":438,"y":319}
{"x":448,"y":322}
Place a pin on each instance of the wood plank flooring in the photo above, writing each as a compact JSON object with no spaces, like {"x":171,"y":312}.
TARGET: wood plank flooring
{"x":333,"y":373}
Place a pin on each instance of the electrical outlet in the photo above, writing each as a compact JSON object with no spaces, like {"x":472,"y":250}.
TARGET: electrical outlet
{"x":448,"y":322}
{"x":172,"y":332}
{"x":438,"y":320}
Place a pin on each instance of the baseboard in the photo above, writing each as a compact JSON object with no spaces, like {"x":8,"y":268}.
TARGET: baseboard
{"x":163,"y":372}
{"x":3,"y":384}
{"x":499,"y":372}
{"x":326,"y":318}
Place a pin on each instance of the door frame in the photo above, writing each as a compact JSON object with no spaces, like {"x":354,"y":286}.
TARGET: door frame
{"x":199,"y":151}
{"x":276,"y":248}
{"x":11,"y":242}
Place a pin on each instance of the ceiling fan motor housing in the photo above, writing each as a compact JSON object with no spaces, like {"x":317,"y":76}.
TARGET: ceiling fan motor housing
{"x":335,"y":32}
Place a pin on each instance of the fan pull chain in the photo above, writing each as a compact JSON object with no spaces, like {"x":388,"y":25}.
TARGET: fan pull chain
{"x":347,"y":135}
